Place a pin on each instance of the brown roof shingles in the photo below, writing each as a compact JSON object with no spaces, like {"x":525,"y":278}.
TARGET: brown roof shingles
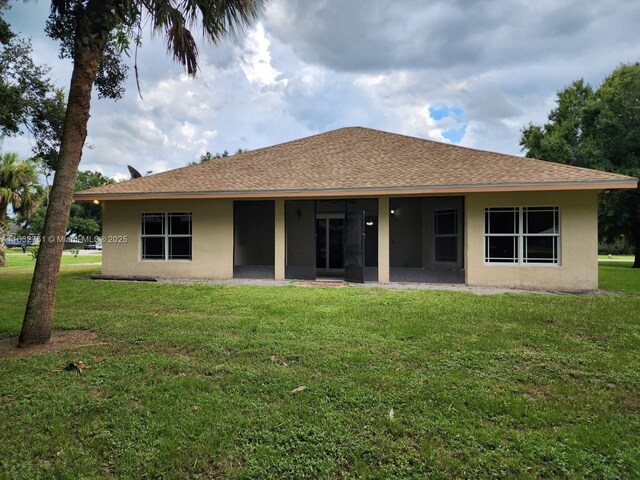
{"x":358,"y":159}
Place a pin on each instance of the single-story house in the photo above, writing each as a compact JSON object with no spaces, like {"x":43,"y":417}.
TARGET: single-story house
{"x":362,"y":205}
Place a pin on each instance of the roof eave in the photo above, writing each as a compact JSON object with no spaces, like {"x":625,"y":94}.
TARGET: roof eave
{"x":622,"y":184}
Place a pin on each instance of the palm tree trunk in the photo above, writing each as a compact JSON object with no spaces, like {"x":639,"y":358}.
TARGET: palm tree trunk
{"x":36,"y":327}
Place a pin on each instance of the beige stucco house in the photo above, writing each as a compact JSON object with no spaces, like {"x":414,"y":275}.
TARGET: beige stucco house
{"x":362,"y":205}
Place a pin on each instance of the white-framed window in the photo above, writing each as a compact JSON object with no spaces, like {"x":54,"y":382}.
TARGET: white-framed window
{"x":445,"y":230}
{"x":166,"y":236}
{"x":522,"y":235}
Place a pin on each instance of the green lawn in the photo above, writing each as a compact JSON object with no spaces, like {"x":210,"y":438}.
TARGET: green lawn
{"x":619,"y":277}
{"x":627,"y":258}
{"x":194,"y":381}
{"x":15,"y":259}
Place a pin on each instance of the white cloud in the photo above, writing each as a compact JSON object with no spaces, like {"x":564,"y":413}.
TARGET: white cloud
{"x":255,"y":59}
{"x":308,"y":67}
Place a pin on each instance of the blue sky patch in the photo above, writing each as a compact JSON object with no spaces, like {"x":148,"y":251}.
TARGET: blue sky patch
{"x":450,"y":115}
{"x":442,"y":111}
{"x":455,"y":135}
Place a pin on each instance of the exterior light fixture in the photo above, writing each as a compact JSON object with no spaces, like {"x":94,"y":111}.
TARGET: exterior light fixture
{"x":393,"y":212}
{"x":96,"y":202}
{"x":369,"y":223}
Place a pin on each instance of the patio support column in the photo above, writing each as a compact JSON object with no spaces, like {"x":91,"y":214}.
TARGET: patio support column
{"x":279,"y":257}
{"x":383,"y":240}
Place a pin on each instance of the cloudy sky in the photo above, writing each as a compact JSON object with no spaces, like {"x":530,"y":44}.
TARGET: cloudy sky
{"x":470,"y":72}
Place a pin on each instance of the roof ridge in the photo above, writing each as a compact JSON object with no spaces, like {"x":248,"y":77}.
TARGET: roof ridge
{"x":464,"y":147}
{"x":445,"y":144}
{"x":356,"y":156}
{"x":257,"y":150}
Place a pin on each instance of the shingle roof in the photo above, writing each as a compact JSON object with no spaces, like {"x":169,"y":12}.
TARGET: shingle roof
{"x":363,"y":160}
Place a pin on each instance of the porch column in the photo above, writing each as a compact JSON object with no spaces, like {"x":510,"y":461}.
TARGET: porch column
{"x":279,"y":256}
{"x":383,"y":240}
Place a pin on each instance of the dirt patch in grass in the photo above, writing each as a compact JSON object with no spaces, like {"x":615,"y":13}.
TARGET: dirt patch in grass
{"x":629,"y":402}
{"x":95,"y":393}
{"x":535,"y":392}
{"x":60,"y":340}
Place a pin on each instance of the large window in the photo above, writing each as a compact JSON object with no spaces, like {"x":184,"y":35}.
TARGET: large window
{"x":522,"y":235}
{"x":166,"y":236}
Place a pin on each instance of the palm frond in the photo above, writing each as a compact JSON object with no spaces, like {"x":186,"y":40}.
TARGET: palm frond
{"x":5,"y":196}
{"x":217,"y":18}
{"x":177,"y":19}
{"x":19,"y":185}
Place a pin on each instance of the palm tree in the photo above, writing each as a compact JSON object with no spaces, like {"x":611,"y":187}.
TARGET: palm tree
{"x":19,"y":188}
{"x":91,"y":26}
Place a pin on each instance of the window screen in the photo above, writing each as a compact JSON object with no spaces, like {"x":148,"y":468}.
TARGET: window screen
{"x":501,"y":235}
{"x":541,"y":233}
{"x":153,"y":244}
{"x":523,"y":235}
{"x":166,"y":236}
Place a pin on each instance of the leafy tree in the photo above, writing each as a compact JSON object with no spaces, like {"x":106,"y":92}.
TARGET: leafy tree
{"x":19,"y":188}
{"x":32,"y":223}
{"x":209,"y":156}
{"x":89,"y":179}
{"x":5,"y":29}
{"x":566,"y":137}
{"x":205,"y":157}
{"x":85,"y":219}
{"x":81,"y":225}
{"x":28,"y":100}
{"x":95,"y":33}
{"x":46,"y":128}
{"x":22,"y":83}
{"x":598,"y":129}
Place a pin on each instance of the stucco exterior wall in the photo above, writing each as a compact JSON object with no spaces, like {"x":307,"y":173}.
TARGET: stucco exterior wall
{"x":280,"y":246}
{"x":212,"y":230}
{"x":383,"y":240}
{"x":578,"y":268}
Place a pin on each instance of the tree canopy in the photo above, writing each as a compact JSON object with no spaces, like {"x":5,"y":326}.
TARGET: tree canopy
{"x":19,"y":188}
{"x":598,"y":128}
{"x":28,"y":100}
{"x":85,"y":219}
{"x":207,"y":156}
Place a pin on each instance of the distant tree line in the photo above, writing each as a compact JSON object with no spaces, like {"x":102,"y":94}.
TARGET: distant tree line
{"x":207,"y":156}
{"x":598,"y":128}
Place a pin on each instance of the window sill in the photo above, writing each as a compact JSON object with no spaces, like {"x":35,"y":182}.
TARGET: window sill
{"x":164,"y":261}
{"x":505,"y":264}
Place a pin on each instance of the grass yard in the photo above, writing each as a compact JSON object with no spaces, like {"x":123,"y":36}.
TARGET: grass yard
{"x":195,"y":381}
{"x":619,"y":277}
{"x":26,"y":261}
{"x":625,"y":258}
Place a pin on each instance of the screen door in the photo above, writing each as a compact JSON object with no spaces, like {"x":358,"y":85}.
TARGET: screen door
{"x":354,"y":238}
{"x":300,"y":236}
